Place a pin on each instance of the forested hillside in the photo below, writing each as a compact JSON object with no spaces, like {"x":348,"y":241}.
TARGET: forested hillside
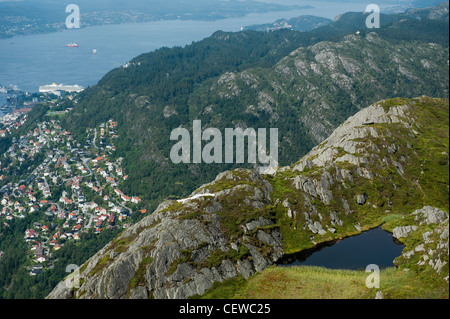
{"x":170,"y":87}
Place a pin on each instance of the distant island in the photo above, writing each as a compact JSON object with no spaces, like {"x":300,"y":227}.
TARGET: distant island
{"x":303,"y":23}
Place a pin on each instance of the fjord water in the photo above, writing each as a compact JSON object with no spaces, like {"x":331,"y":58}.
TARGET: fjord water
{"x":34,"y":60}
{"x":375,"y":246}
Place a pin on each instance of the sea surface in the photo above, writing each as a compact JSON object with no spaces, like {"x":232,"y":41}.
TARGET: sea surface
{"x":34,"y":60}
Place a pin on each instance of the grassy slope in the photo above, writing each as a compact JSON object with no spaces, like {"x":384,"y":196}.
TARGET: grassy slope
{"x":424,"y":182}
{"x":321,"y":283}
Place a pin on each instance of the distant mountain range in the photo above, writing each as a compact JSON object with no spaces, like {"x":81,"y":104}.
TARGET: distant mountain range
{"x":29,"y":17}
{"x":302,"y":23}
{"x":307,"y":23}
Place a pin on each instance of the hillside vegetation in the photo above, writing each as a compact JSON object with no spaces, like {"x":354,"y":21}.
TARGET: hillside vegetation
{"x":388,"y":161}
{"x":387,"y":165}
{"x":304,"y":83}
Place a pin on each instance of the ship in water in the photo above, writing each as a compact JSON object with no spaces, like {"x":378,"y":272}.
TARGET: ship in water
{"x":52,"y":88}
{"x":72,"y":45}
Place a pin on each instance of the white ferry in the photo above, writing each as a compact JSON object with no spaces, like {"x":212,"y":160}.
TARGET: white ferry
{"x":60,"y":87}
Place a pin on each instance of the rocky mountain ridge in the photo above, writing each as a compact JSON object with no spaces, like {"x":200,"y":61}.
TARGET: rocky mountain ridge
{"x":304,"y":83}
{"x":315,"y":83}
{"x":380,"y":166}
{"x":439,"y":12}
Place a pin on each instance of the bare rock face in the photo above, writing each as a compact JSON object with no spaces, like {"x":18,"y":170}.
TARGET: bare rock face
{"x":345,"y":139}
{"x":433,"y":250}
{"x":403,"y":231}
{"x":430,"y":215}
{"x":361,"y":199}
{"x":183,"y":248}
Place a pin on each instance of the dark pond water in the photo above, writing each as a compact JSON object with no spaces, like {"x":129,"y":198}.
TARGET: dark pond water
{"x":375,"y":246}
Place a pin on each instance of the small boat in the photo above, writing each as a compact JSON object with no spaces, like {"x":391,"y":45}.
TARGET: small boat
{"x":72,"y":45}
{"x":94,"y":51}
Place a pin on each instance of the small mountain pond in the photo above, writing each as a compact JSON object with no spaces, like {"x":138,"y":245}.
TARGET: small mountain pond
{"x":375,"y":246}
